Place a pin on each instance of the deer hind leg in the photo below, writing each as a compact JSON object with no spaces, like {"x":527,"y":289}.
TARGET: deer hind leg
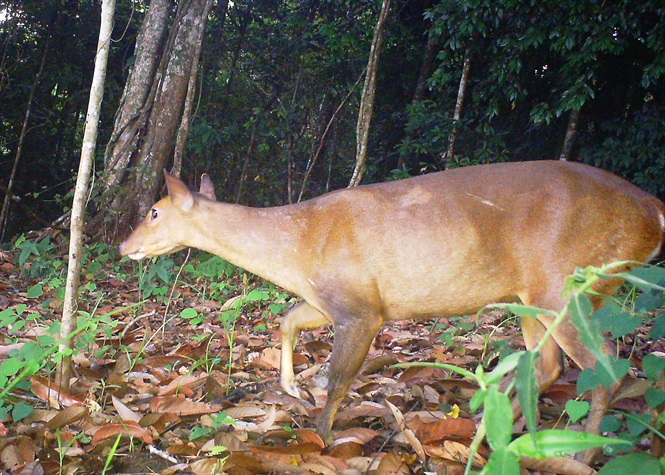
{"x":353,"y":338}
{"x":566,"y":336}
{"x":301,"y":317}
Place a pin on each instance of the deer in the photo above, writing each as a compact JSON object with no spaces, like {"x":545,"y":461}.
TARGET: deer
{"x":438,"y":245}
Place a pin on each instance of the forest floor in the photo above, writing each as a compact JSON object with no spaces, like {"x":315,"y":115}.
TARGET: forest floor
{"x":183,"y":383}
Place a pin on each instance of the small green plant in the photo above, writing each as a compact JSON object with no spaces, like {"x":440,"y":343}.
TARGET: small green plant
{"x":218,"y":421}
{"x":497,"y":421}
{"x":156,"y":278}
{"x":37,"y":258}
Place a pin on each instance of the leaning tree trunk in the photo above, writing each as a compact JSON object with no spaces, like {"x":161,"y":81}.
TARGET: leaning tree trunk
{"x":151,"y":112}
{"x":70,"y":303}
{"x":367,"y":100}
{"x":449,"y":154}
{"x":4,"y":214}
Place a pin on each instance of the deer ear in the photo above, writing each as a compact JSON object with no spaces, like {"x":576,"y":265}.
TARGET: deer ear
{"x":207,"y":188}
{"x":180,"y":195}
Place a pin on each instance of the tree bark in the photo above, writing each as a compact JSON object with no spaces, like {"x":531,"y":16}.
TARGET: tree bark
{"x":571,"y":134}
{"x":68,"y":327}
{"x":145,"y":132}
{"x":449,"y":154}
{"x":367,"y":100}
{"x":185,"y":122}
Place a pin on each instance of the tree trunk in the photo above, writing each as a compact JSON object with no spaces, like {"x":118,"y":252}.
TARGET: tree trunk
{"x":151,"y":112}
{"x":4,"y":214}
{"x":421,"y":85}
{"x":185,"y":123}
{"x":367,"y":100}
{"x":449,"y":154}
{"x":322,"y":140}
{"x":70,"y":302}
{"x":571,"y":134}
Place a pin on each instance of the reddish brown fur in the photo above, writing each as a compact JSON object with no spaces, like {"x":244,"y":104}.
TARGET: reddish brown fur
{"x":443,"y":244}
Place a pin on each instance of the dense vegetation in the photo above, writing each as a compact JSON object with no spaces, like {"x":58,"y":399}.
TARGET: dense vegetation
{"x":275,"y":77}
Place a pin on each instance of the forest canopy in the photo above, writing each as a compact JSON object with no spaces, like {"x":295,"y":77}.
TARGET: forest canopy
{"x":279,"y":84}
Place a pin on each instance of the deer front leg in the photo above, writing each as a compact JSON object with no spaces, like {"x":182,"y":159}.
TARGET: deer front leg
{"x":353,"y":338}
{"x":301,"y":317}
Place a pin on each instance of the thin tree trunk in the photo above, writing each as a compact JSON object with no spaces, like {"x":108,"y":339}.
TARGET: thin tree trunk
{"x":68,"y":327}
{"x":421,"y":85}
{"x":185,"y":122}
{"x":4,"y":214}
{"x":245,"y":163}
{"x":322,"y":141}
{"x":571,"y":134}
{"x":449,"y":154}
{"x":367,"y":101}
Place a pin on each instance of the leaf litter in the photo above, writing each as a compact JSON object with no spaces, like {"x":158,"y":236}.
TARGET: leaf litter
{"x":183,"y":398}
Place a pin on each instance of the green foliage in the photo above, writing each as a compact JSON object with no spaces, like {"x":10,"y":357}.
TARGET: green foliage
{"x":496,"y":424}
{"x":218,"y":422}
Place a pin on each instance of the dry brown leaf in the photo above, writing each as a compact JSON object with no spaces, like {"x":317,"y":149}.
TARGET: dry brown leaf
{"x":362,"y":464}
{"x":48,"y":391}
{"x":10,"y":458}
{"x":346,"y":450}
{"x":207,"y":466}
{"x":67,"y":416}
{"x":183,"y":384}
{"x":246,"y":412}
{"x":125,"y":413}
{"x":126,"y":428}
{"x":456,"y":452}
{"x":430,"y":432}
{"x":310,"y":436}
{"x":408,"y":433}
{"x":182,"y":406}
{"x":270,"y":358}
{"x":360,"y":435}
{"x":364,"y":409}
{"x":392,"y":464}
{"x":558,"y":465}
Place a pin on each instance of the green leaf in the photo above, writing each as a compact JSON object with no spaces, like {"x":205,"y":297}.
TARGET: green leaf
{"x":505,"y":366}
{"x":557,"y":443}
{"x":21,"y":411}
{"x":610,"y":370}
{"x":658,"y":328}
{"x":627,"y":464}
{"x":650,"y":301}
{"x":638,"y":423}
{"x":587,"y":380}
{"x":502,"y":462}
{"x":653,"y":366}
{"x":498,"y":417}
{"x":35,"y":291}
{"x":654,"y":397}
{"x":614,"y":319}
{"x":477,"y":400}
{"x":610,"y":423}
{"x":526,"y":384}
{"x":189,"y":313}
{"x":257,"y":295}
{"x":577,"y":409}
{"x":590,"y":334}
{"x":646,"y":278}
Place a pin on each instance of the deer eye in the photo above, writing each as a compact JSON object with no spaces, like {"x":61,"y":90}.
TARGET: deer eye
{"x":154,"y":213}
